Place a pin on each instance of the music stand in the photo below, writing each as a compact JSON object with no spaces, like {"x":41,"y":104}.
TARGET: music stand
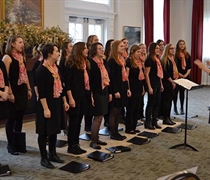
{"x":188,"y":85}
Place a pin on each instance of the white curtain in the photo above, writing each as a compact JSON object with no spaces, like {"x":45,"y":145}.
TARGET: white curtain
{"x":205,"y":79}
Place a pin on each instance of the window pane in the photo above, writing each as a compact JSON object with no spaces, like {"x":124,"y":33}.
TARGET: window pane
{"x":76,"y":31}
{"x":98,"y":1}
{"x":158,"y":20}
{"x":96,"y":30}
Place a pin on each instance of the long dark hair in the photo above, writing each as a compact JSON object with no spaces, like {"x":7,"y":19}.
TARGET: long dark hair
{"x":64,"y":47}
{"x":108,"y":49}
{"x":93,"y":49}
{"x":76,"y":58}
{"x":151,"y":50}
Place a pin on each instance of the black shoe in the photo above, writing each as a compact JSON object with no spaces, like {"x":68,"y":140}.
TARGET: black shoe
{"x":176,"y":111}
{"x":181,"y":111}
{"x":122,"y":136}
{"x":46,"y":163}
{"x":95,"y":146}
{"x":55,"y":158}
{"x":157,"y":126}
{"x":167,"y":121}
{"x":148,"y":126}
{"x":173,"y":123}
{"x":118,"y":138}
{"x":130,"y":132}
{"x":137,"y":131}
{"x":74,"y":150}
{"x":12,"y":151}
{"x":80,"y":149}
{"x":101,"y":143}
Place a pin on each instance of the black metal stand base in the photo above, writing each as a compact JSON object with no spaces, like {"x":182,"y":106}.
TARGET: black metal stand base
{"x":185,"y":128}
{"x":184,"y":145}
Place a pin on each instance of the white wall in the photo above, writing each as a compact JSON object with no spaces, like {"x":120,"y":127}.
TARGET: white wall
{"x":54,"y":13}
{"x":181,"y":23}
{"x":129,"y":13}
{"x":120,"y":13}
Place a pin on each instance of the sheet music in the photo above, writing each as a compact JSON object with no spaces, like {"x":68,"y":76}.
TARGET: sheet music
{"x":187,"y":84}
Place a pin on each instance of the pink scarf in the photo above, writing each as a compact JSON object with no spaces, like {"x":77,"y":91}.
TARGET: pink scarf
{"x":86,"y":77}
{"x":40,"y":58}
{"x":159,"y":68}
{"x":124,"y":73}
{"x":142,"y":57}
{"x":125,"y":54}
{"x":57,"y":87}
{"x":139,"y":65}
{"x":104,"y":74}
{"x":175,"y":70}
{"x":2,"y":83}
{"x":182,"y":56}
{"x":22,"y":69}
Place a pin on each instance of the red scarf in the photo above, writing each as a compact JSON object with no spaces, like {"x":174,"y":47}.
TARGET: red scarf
{"x":124,"y":73}
{"x":2,"y":83}
{"x":182,"y":56}
{"x":22,"y":69}
{"x":159,"y":68}
{"x":175,"y":70}
{"x":104,"y":74}
{"x":57,"y":87}
{"x":86,"y":77}
{"x":139,"y":65}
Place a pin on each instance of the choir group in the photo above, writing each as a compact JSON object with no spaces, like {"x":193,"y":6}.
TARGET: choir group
{"x":90,"y":81}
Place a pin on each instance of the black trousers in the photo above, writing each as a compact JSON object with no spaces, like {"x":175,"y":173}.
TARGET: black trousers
{"x":14,"y":123}
{"x":166,"y":99}
{"x":132,"y":113}
{"x":42,"y":141}
{"x":88,"y":117}
{"x":75,"y":118}
{"x":141,"y":108}
{"x":153,"y":105}
{"x":181,"y":91}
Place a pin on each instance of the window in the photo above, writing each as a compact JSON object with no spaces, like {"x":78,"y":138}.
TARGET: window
{"x":206,"y":27}
{"x":81,"y":28}
{"x":158,"y":20}
{"x":98,"y":1}
{"x":206,"y":53}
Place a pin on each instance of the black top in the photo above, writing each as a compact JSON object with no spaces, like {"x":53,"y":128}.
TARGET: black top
{"x":45,"y":83}
{"x":4,"y":71}
{"x":115,"y":76}
{"x":74,"y":81}
{"x":62,"y":66}
{"x":20,"y":91}
{"x":36,"y":65}
{"x":154,"y":79}
{"x":136,"y":85}
{"x":168,"y":72}
{"x":179,"y":65}
{"x":95,"y":76}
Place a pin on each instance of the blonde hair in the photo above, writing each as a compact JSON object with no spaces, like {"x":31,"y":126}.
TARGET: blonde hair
{"x":164,"y":57}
